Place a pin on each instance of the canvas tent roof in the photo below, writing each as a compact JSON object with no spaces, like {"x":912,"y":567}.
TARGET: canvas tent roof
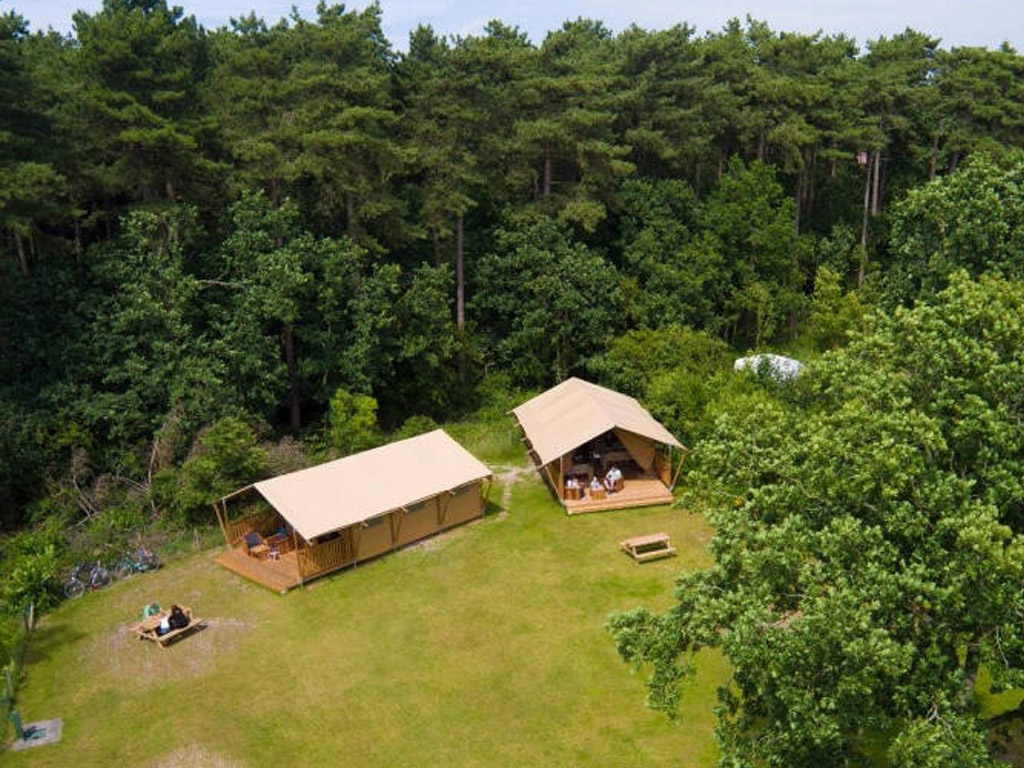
{"x":339,"y":493}
{"x":575,"y":411}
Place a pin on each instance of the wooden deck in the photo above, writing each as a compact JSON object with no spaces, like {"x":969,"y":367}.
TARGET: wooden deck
{"x":279,"y":575}
{"x":638,"y":492}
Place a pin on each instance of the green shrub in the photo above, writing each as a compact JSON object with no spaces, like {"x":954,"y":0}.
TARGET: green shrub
{"x":415,"y":425}
{"x":32,"y":561}
{"x":225,"y":457}
{"x":352,"y":422}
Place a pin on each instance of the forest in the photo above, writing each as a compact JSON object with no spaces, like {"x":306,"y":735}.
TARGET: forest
{"x":231,"y":252}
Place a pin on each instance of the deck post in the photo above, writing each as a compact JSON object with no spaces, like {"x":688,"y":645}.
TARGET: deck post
{"x":487,"y":494}
{"x":442,"y":510}
{"x":554,"y":486}
{"x":682,"y":460}
{"x":357,"y":536}
{"x":220,"y":520}
{"x":298,"y":558}
{"x":396,"y":525}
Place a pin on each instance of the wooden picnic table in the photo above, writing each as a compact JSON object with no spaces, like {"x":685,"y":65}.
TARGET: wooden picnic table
{"x":650,"y":547}
{"x":148,"y":629}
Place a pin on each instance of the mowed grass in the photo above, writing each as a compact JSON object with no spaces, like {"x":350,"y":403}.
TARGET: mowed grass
{"x":481,"y":647}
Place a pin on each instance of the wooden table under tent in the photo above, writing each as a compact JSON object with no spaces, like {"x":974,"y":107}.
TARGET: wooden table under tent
{"x":285,"y":531}
{"x":578,"y":431}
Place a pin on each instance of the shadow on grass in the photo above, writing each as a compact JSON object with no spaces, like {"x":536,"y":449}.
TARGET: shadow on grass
{"x":493,"y":508}
{"x":47,"y":638}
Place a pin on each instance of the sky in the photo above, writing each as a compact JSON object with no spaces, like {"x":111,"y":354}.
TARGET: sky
{"x":956,"y":22}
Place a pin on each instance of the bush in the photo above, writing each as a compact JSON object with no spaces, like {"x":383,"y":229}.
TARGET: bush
{"x":415,"y":425}
{"x":31,"y":565}
{"x":225,"y":457}
{"x":636,"y":358}
{"x":352,"y":422}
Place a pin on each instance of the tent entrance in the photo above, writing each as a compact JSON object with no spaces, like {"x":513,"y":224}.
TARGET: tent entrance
{"x":645,"y":473}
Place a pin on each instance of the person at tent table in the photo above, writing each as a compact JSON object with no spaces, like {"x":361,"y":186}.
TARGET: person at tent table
{"x":614,"y":476}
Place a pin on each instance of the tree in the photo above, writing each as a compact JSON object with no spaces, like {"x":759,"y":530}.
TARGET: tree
{"x":28,"y":187}
{"x":751,"y":220}
{"x":864,"y":565}
{"x":250,"y":64}
{"x":342,"y":113}
{"x":144,"y":64}
{"x":549,"y":302}
{"x":265,"y":278}
{"x":681,"y":277}
{"x":140,"y":351}
{"x":972,"y":220}
{"x":447,"y":127}
{"x":353,"y":422}
{"x":981,"y":96}
{"x":225,"y":457}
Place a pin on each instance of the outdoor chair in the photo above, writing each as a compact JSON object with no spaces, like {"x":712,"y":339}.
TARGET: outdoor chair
{"x":255,"y":545}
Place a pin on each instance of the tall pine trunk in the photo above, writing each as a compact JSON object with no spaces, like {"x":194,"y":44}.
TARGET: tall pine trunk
{"x":547,"y":173}
{"x":350,"y":215}
{"x":799,"y":199}
{"x":864,"y":224}
{"x":78,"y":242}
{"x":294,"y":409}
{"x":934,"y":157}
{"x":811,"y":180}
{"x":876,"y":202}
{"x":22,"y":258}
{"x":460,"y":280}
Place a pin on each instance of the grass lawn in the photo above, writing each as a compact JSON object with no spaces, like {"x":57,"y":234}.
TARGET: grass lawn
{"x":482,"y":647}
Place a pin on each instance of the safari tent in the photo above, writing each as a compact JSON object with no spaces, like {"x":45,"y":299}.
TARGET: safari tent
{"x":577,"y":431}
{"x":289,"y":529}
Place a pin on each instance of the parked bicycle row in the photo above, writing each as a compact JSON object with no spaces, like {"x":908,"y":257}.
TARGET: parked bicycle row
{"x":91,"y":576}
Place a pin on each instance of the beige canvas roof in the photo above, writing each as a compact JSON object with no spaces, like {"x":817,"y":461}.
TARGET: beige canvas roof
{"x":575,"y":411}
{"x":339,"y":493}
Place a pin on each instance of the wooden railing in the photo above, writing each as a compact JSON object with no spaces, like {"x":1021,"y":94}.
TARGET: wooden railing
{"x":264,"y":522}
{"x":319,"y":558}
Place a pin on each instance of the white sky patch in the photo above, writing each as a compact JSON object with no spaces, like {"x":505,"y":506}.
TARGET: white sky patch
{"x":956,"y":22}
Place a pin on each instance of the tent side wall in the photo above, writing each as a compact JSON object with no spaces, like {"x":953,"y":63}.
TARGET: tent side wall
{"x":375,"y":537}
{"x":466,"y":503}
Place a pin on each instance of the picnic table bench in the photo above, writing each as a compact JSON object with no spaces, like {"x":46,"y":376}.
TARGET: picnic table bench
{"x":650,"y":547}
{"x":148,"y":629}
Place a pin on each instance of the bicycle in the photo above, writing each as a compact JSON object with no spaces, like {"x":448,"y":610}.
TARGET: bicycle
{"x":86,"y":577}
{"x":139,"y":561}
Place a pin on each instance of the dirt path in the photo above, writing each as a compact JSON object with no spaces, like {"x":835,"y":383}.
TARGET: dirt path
{"x":509,"y":477}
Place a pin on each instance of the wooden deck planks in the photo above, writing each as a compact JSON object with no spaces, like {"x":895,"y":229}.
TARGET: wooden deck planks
{"x":279,"y":575}
{"x":638,"y":492}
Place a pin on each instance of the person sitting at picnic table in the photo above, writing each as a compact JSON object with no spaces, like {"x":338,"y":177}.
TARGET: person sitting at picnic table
{"x":572,"y":483}
{"x":175,"y":619}
{"x":595,"y":484}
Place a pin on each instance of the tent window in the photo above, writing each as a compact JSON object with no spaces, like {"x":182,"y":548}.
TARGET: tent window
{"x":374,"y":522}
{"x":415,"y":507}
{"x":462,"y":489}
